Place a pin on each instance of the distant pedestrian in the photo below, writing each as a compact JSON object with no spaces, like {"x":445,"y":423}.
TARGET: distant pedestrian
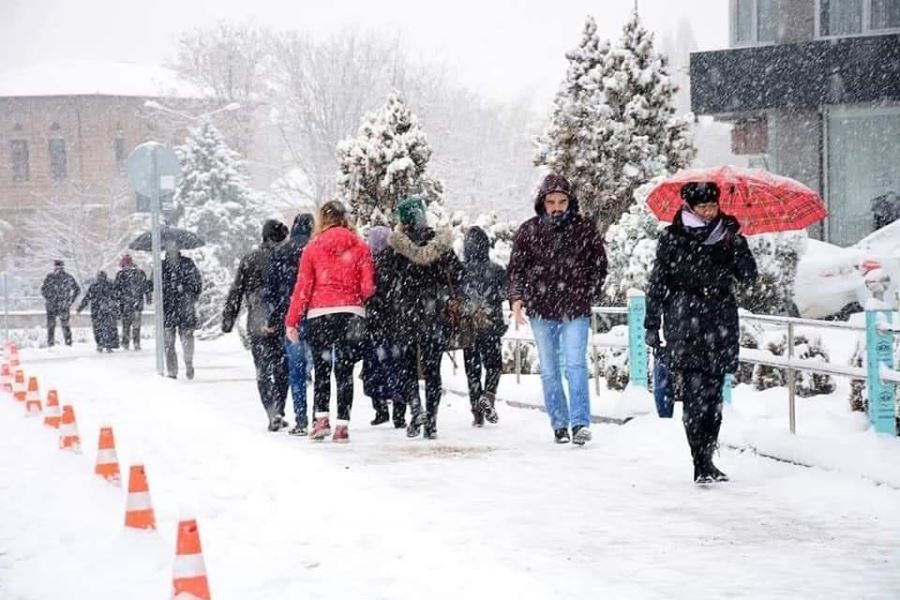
{"x":181,"y":285}
{"x":132,"y":290}
{"x":484,"y":290}
{"x":556,"y":271}
{"x":700,"y":257}
{"x":265,"y":345}
{"x":333,"y":284}
{"x":101,"y":295}
{"x":59,"y":291}
{"x":280,"y":281}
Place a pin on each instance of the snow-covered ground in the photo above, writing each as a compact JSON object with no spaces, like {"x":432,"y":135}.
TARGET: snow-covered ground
{"x":499,"y":512}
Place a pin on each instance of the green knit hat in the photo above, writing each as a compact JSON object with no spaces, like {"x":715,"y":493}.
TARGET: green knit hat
{"x":410,"y":210}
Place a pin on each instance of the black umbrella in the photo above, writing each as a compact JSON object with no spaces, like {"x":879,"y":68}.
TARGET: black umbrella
{"x":170,"y":238}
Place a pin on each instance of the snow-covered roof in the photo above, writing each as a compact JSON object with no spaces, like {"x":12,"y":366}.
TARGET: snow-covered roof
{"x":95,"y":78}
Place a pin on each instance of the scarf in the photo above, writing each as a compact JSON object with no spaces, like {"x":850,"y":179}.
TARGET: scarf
{"x":712,"y":231}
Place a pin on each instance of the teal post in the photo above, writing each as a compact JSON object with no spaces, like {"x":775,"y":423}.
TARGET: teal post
{"x":880,"y":351}
{"x":637,"y":347}
{"x":727,"y":384}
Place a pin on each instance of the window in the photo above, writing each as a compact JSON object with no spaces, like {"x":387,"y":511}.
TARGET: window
{"x":19,"y":156}
{"x":753,"y":22}
{"x":58,"y":170}
{"x":857,"y":17}
{"x":119,"y":149}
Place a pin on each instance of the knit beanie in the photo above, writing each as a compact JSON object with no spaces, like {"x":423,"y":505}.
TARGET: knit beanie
{"x":697,"y":192}
{"x":411,"y":211}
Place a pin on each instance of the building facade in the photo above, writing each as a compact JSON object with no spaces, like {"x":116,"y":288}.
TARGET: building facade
{"x":812,"y":88}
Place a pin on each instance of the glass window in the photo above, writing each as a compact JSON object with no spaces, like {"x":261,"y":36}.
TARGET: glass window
{"x":19,"y":152}
{"x":863,"y":159}
{"x":58,"y":167}
{"x":766,"y":22}
{"x":841,"y":17}
{"x":743,"y":21}
{"x":885,"y":14}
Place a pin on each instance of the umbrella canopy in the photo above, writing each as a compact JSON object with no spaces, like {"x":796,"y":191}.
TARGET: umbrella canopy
{"x":170,"y":237}
{"x":760,"y":201}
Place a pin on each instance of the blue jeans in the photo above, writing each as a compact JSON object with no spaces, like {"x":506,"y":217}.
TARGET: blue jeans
{"x":570,"y":337}
{"x":299,"y":360}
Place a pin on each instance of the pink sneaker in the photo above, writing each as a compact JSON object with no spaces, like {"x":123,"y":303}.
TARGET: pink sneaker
{"x":321,"y":428}
{"x":341,"y":433}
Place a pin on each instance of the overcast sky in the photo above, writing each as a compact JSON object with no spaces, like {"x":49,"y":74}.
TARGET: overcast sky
{"x":506,"y":48}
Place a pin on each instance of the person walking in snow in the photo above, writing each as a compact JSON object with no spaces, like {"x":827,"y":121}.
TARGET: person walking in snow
{"x":181,"y":287}
{"x":266,"y":345}
{"x":700,"y":257}
{"x":281,"y":278}
{"x":59,"y":291}
{"x":132,"y":289}
{"x":380,"y":363}
{"x":101,"y":295}
{"x":421,"y":274}
{"x":556,"y":269}
{"x":483,"y":286}
{"x":334,"y":281}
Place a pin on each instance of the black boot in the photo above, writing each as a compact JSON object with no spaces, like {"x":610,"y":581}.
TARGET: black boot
{"x":477,"y":418}
{"x":710,"y":469}
{"x":561,"y":436}
{"x":415,"y":420}
{"x":430,"y":432}
{"x":381,"y":413}
{"x":487,"y":407}
{"x":399,"y":415}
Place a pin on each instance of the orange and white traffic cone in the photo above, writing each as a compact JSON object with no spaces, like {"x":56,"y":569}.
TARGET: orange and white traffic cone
{"x":138,"y":508}
{"x":32,"y":398}
{"x":52,"y":414}
{"x":6,"y":379}
{"x":189,"y":569}
{"x":13,"y":355}
{"x":19,"y":389}
{"x":107,"y":460}
{"x":68,"y":430}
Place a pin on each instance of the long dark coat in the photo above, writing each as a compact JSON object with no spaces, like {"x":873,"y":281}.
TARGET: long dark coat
{"x":483,"y":285}
{"x":59,"y":291}
{"x":282,"y":273}
{"x":181,"y":285}
{"x":691,"y":289}
{"x":101,"y":295}
{"x":249,"y":284}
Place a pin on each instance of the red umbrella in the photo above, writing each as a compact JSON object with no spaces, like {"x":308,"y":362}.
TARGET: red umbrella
{"x":760,"y":201}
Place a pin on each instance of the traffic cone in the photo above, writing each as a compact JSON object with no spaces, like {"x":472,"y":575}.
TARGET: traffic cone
{"x":6,"y":378}
{"x":68,"y":430}
{"x":189,"y":570}
{"x":19,"y":390}
{"x":32,"y":398}
{"x":52,"y":417}
{"x":138,"y":508}
{"x":107,"y":460}
{"x":13,"y":356}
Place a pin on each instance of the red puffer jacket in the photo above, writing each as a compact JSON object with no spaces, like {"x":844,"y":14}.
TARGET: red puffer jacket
{"x":335,"y":270}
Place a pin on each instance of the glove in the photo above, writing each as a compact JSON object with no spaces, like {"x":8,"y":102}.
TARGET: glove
{"x":652,"y":339}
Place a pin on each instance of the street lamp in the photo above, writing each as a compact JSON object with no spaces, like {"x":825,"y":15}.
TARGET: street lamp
{"x":154,"y":105}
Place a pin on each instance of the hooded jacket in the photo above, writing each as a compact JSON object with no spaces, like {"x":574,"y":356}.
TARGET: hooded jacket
{"x":556,"y":268}
{"x":483,"y":284}
{"x":691,"y":292}
{"x":101,"y":295}
{"x":420,"y":273}
{"x":282,"y":274}
{"x":335,"y":271}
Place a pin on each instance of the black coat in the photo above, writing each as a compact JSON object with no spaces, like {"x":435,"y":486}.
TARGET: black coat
{"x":132,"y":288}
{"x":379,"y":313}
{"x":59,"y":291}
{"x":250,"y":283}
{"x":101,"y":295}
{"x":420,"y":273}
{"x":483,"y":285}
{"x":181,"y":285}
{"x":283,"y":267}
{"x":691,"y":289}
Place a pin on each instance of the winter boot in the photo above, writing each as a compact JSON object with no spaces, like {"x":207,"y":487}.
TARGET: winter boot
{"x":399,"y":414}
{"x":381,"y":413}
{"x":415,"y":421}
{"x":710,"y":469}
{"x":299,"y":429}
{"x":341,"y":432}
{"x":581,"y":435}
{"x":189,"y":371}
{"x":321,"y":428}
{"x":276,"y":423}
{"x":477,"y":418}
{"x":561,"y":436}
{"x":488,"y":408}
{"x":430,"y":431}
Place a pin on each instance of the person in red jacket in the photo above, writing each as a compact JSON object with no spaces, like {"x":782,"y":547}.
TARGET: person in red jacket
{"x":335,"y":278}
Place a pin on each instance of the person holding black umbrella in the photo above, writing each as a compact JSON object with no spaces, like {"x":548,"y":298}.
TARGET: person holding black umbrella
{"x":181,"y":287}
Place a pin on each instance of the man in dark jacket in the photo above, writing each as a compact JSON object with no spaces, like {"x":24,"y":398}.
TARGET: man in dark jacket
{"x":132,"y":288}
{"x":181,"y":285}
{"x":59,"y":291}
{"x":104,"y":311}
{"x":421,"y":273}
{"x":266,"y":345}
{"x":556,"y":270}
{"x":280,"y":280}
{"x":699,"y":258}
{"x":483,"y":286}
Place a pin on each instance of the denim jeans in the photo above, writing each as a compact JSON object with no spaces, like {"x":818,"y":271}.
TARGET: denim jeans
{"x":299,"y":360}
{"x":568,"y":338}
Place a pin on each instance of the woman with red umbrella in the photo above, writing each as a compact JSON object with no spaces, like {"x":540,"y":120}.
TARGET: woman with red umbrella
{"x":700,"y":257}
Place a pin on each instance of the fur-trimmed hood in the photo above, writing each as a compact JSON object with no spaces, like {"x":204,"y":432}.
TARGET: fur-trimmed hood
{"x":433,"y":245}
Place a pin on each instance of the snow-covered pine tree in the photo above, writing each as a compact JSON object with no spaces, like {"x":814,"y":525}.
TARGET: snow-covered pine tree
{"x":385,"y":163}
{"x":777,"y":256}
{"x":214,"y":200}
{"x":614,"y":125}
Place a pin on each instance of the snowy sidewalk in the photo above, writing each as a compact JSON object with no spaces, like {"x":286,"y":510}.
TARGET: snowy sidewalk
{"x":499,"y":512}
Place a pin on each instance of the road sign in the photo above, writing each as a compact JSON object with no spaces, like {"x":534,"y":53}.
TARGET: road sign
{"x":139,"y":167}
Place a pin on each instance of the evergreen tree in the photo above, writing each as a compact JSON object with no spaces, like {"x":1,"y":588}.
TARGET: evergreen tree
{"x":385,"y":163}
{"x":214,"y":201}
{"x":614,"y":125}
